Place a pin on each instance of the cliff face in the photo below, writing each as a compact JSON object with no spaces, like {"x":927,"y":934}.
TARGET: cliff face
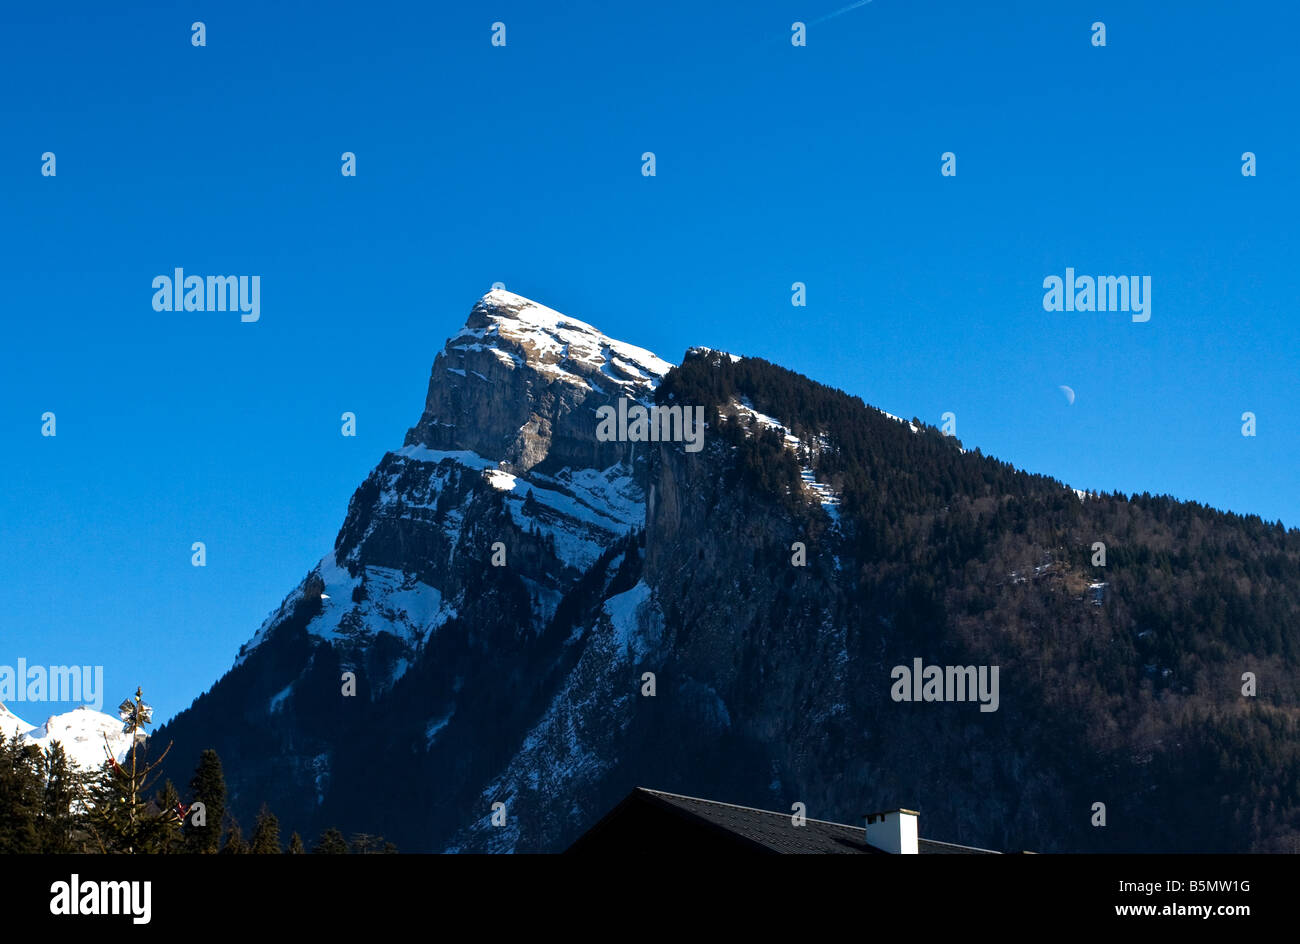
{"x":521,"y":383}
{"x":771,"y":680}
{"x":726,"y":623}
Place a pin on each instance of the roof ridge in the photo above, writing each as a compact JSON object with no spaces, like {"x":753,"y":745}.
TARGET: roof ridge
{"x":754,"y":809}
{"x":958,"y":845}
{"x":824,"y":822}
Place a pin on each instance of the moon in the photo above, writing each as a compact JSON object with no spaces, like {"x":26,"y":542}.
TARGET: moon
{"x":1069,"y":393}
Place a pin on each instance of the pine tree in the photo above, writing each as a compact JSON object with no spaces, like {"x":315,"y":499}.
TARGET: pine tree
{"x":59,"y":807}
{"x":235,"y":844}
{"x":295,"y":845}
{"x":203,"y":824}
{"x":20,"y":796}
{"x":331,"y":842}
{"x":266,"y":834}
{"x":168,"y":800}
{"x":120,"y":818}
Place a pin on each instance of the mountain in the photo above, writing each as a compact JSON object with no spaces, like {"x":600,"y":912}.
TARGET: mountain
{"x":82,"y":732}
{"x":11,"y":724}
{"x":771,"y":583}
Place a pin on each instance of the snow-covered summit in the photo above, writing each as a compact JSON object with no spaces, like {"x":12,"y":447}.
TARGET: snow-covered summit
{"x":82,"y":733}
{"x":520,"y":332}
{"x":521,"y":378}
{"x":11,"y":724}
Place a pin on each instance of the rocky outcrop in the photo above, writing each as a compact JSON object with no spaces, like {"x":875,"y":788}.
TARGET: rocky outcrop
{"x":521,"y":384}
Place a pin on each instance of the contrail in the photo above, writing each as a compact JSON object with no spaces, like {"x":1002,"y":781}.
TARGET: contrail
{"x":771,"y":41}
{"x":841,"y":11}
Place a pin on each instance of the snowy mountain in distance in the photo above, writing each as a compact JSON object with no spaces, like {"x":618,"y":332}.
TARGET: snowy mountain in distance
{"x":81,"y":732}
{"x":11,"y":724}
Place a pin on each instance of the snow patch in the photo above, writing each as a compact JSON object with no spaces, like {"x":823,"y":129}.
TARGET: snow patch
{"x":471,"y":460}
{"x":898,"y":419}
{"x":624,"y":618}
{"x":11,"y":724}
{"x":552,"y":339}
{"x":700,"y":349}
{"x":433,"y":727}
{"x":826,"y":496}
{"x":277,"y":700}
{"x":394,"y":602}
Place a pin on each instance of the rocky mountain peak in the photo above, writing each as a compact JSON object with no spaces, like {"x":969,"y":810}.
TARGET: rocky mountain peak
{"x":520,"y":383}
{"x":505,"y":450}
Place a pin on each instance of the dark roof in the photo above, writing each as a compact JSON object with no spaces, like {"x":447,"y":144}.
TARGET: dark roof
{"x":764,"y":831}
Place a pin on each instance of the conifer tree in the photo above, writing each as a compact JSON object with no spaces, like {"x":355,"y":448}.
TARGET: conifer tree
{"x":169,"y":800}
{"x":59,"y":803}
{"x":20,"y":796}
{"x":203,"y":824}
{"x":331,"y":842}
{"x":235,"y":844}
{"x":295,"y":845}
{"x":120,"y":818}
{"x":266,"y":834}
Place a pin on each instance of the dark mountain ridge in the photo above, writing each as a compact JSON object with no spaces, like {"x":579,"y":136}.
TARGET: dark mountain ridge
{"x":522,"y":684}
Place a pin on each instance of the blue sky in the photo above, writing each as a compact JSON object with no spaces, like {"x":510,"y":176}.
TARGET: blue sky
{"x":522,"y":164}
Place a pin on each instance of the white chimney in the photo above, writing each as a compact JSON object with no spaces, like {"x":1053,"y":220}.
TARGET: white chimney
{"x":893,"y":831}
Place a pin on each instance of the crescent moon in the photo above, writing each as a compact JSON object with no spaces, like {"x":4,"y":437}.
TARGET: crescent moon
{"x":1069,"y":394}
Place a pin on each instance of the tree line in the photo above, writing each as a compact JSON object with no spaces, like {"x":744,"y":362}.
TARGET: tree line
{"x":49,"y":806}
